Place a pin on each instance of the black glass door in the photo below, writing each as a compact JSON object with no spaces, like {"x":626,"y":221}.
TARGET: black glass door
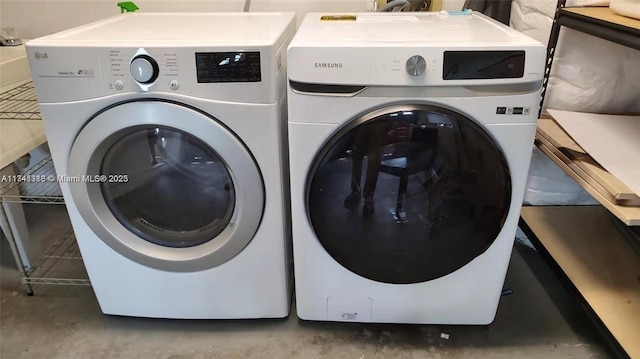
{"x":410,"y":195}
{"x":177,"y":191}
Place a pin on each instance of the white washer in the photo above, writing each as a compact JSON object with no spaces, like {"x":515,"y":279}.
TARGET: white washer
{"x":184,"y":116}
{"x":410,"y":137}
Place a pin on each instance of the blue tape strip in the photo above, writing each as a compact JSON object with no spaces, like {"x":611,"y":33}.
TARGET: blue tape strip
{"x":463,"y":12}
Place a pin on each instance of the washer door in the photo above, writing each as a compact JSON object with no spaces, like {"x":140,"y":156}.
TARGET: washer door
{"x":166,"y":186}
{"x":408,"y":193}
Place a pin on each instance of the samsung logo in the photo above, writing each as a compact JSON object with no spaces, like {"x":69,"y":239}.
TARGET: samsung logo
{"x":329,"y":65}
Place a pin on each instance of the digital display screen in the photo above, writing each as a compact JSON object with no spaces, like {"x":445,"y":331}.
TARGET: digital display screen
{"x":474,"y":65}
{"x":228,"y":67}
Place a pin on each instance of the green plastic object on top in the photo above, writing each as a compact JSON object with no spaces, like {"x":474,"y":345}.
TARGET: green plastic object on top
{"x":127,"y":6}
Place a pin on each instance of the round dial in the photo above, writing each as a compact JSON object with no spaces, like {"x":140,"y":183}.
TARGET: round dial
{"x":416,"y":65}
{"x":144,"y":69}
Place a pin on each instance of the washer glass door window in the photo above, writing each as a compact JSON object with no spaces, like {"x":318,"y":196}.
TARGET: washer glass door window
{"x":408,"y":194}
{"x":180,"y":191}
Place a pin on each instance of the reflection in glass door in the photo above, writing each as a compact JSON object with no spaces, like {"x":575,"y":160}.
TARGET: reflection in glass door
{"x":410,"y":195}
{"x":178,"y":191}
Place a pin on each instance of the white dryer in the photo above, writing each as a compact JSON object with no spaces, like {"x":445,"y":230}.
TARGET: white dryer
{"x":410,"y":138}
{"x":169,"y":134}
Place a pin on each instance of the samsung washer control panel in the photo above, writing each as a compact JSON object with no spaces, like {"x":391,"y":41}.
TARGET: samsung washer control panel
{"x":477,"y":65}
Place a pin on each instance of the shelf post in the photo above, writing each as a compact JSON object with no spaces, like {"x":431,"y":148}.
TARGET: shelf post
{"x":551,"y":49}
{"x":4,"y":224}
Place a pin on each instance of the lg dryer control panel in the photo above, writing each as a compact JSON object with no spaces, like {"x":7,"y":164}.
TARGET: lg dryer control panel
{"x":249,"y":74}
{"x":143,"y":67}
{"x":146,"y":66}
{"x":237,"y":57}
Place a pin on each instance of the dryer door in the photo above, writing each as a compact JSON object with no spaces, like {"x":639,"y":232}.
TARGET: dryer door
{"x":408,"y":193}
{"x":166,"y":185}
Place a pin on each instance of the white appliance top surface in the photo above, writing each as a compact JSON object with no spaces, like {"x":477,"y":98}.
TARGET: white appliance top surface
{"x":201,"y":28}
{"x":423,"y":28}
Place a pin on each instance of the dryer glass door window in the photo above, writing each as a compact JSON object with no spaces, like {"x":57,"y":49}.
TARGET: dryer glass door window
{"x":408,"y":194}
{"x":177,"y":193}
{"x":193,"y":195}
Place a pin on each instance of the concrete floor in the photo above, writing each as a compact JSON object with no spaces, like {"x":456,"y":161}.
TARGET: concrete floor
{"x":539,"y":320}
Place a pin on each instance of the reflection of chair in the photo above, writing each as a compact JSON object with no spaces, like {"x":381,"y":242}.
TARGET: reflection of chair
{"x":452,"y":186}
{"x":415,"y":155}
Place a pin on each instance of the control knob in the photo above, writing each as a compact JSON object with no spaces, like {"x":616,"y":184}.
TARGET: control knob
{"x":416,"y":65}
{"x":144,"y":69}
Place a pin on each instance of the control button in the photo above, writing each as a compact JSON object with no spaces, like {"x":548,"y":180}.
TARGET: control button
{"x":118,"y":84}
{"x":174,"y":84}
{"x":416,"y":65}
{"x":144,"y":69}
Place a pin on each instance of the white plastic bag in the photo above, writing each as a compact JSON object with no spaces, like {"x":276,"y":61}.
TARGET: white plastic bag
{"x":548,"y":184}
{"x":590,"y":74}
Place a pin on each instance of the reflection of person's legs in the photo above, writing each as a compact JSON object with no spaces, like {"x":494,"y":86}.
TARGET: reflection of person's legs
{"x":359,"y":147}
{"x":152,"y":138}
{"x":357,"y":156}
{"x":373,"y":168}
{"x":377,"y":134}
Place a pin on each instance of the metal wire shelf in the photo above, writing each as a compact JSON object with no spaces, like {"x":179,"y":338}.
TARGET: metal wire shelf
{"x":61,"y":264}
{"x":20,"y":103}
{"x":39,"y":184}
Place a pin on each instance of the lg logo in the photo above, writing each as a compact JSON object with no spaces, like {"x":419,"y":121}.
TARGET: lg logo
{"x":39,"y":56}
